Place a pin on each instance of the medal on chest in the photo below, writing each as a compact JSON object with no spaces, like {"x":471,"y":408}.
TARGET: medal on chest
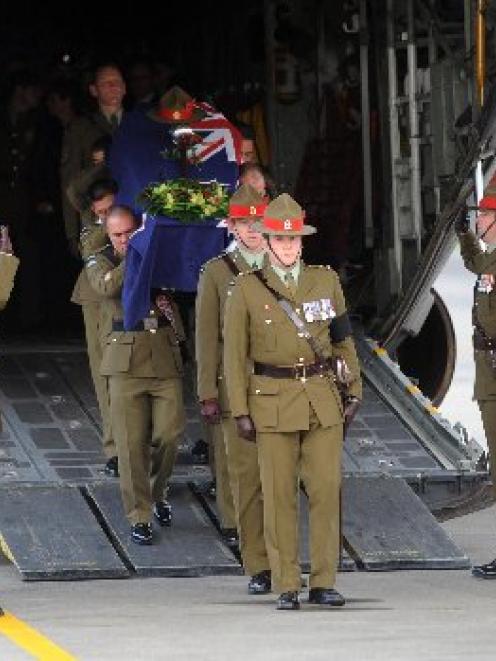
{"x":319,"y":310}
{"x":485,"y":283}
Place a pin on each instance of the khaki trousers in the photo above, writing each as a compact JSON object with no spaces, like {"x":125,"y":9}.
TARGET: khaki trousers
{"x":91,"y":317}
{"x":148,"y":419}
{"x":246,"y":488}
{"x":224,"y":497}
{"x":314,"y":456}
{"x":488,"y":414}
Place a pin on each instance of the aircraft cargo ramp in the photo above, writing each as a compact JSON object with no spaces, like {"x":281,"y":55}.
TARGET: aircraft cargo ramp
{"x":61,"y":518}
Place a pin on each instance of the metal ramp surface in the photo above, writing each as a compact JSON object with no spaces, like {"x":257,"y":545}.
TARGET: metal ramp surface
{"x":190,"y":547}
{"x":51,"y":534}
{"x":386,"y":526}
{"x":52,"y":437}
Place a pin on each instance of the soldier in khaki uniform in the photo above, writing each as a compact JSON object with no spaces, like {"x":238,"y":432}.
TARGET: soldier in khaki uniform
{"x":93,"y":196}
{"x":290,"y":403}
{"x":239,"y":477}
{"x":483,"y":263}
{"x":145,"y":370}
{"x":8,"y":268}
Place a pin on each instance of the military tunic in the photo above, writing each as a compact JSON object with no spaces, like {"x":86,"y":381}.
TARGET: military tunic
{"x":79,"y":137}
{"x":480,"y":262}
{"x":214,"y":288}
{"x":145,"y":384}
{"x":8,"y":268}
{"x":298,"y":421}
{"x":93,"y":238}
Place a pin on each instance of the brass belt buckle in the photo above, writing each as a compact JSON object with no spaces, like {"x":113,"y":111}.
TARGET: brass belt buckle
{"x":150,"y":324}
{"x":300,"y":371}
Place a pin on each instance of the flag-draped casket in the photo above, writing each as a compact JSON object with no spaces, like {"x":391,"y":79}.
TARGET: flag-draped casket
{"x":166,"y":252}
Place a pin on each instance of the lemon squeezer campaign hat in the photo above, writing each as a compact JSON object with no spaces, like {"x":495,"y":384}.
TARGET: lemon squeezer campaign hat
{"x":284,"y":217}
{"x":176,"y":107}
{"x":246,"y":204}
{"x":487,"y":203}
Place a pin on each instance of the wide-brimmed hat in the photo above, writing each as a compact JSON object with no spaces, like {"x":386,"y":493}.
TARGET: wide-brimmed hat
{"x":487,"y":203}
{"x":246,"y":204}
{"x":176,"y":107}
{"x":284,"y":217}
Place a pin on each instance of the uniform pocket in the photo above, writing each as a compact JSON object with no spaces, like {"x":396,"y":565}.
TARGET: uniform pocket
{"x":263,"y":403}
{"x":117,"y":353}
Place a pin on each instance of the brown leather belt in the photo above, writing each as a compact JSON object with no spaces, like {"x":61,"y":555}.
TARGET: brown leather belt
{"x":118,"y":325}
{"x":296,"y":371}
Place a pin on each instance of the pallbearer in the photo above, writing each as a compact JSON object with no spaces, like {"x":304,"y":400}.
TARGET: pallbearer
{"x":290,"y":320}
{"x":144,"y":368}
{"x":216,"y":282}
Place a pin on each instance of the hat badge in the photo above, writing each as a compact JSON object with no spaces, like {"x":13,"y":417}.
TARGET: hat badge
{"x":253,"y":210}
{"x":176,"y":114}
{"x":287,"y":224}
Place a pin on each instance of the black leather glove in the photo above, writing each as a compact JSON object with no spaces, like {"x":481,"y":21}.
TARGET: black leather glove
{"x":210,"y":411}
{"x":246,"y":428}
{"x":351,"y":406}
{"x":462,"y":223}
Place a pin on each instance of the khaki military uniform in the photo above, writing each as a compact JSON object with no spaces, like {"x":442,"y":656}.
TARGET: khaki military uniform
{"x":298,"y":421}
{"x":215,"y":285}
{"x":79,"y":137}
{"x":484,"y":314}
{"x":8,"y":268}
{"x":93,"y":238}
{"x":144,"y":368}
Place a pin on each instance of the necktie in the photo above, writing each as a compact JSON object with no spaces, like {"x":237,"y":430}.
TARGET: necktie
{"x":291,"y":284}
{"x":114,"y":121}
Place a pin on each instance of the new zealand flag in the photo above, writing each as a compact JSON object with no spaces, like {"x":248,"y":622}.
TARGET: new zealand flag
{"x":166,"y":252}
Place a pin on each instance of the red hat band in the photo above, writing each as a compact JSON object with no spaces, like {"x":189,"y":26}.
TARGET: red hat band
{"x":178,"y":115}
{"x":246,"y":211}
{"x":488,"y":203}
{"x":284,"y":225}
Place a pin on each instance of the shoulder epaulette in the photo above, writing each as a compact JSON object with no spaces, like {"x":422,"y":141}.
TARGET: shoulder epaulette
{"x":212,"y":260}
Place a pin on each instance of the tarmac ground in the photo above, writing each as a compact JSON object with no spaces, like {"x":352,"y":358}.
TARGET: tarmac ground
{"x":400,"y":616}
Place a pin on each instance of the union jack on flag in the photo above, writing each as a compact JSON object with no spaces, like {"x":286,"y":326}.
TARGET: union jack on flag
{"x":220,"y":135}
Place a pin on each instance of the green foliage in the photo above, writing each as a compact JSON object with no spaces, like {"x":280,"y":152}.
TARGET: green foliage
{"x":186,"y":200}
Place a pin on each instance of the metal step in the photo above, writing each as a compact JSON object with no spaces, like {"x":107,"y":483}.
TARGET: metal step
{"x":386,"y":526}
{"x":190,"y":547}
{"x":51,"y":534}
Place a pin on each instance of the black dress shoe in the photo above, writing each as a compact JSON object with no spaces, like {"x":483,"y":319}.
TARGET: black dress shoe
{"x":485,"y":571}
{"x":199,"y":451}
{"x":325,"y":597}
{"x":162,"y":511}
{"x":288,"y":601}
{"x":260,"y":583}
{"x":111,"y":468}
{"x":142,"y":533}
{"x":230,"y":537}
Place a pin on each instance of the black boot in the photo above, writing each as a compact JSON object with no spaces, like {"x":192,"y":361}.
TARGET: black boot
{"x":288,"y":601}
{"x":325,"y":597}
{"x":142,"y":533}
{"x":111,"y":468}
{"x":485,"y":571}
{"x":260,"y":583}
{"x":162,"y":511}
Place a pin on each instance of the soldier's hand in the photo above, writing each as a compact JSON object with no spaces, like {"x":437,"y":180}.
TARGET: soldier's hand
{"x":210,"y":411}
{"x":246,"y":428}
{"x":351,"y":406}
